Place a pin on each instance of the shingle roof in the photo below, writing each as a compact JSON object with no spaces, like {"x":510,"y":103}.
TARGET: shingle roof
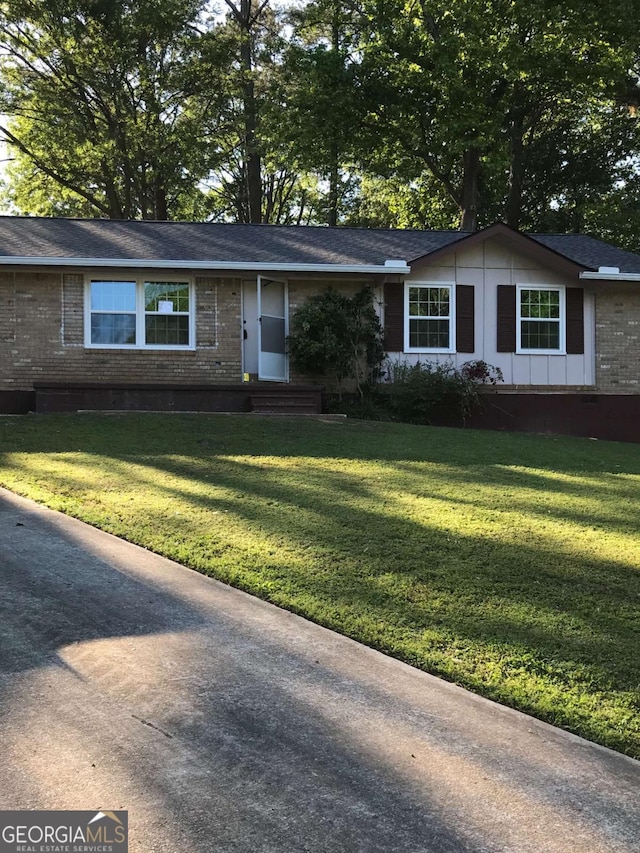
{"x":590,"y":252}
{"x":200,"y":241}
{"x":31,"y":237}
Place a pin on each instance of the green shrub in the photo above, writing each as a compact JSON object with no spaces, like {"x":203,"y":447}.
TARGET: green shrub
{"x":338,"y":338}
{"x":425,"y":393}
{"x":481,"y":372}
{"x":421,"y":393}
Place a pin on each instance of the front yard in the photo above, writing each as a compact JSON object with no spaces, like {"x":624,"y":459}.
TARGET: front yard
{"x":509,"y":564}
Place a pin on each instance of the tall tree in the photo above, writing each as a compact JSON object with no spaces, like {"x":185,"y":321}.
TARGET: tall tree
{"x":322,"y":105}
{"x":246,"y":15}
{"x":102,"y":102}
{"x":466,"y":88}
{"x":257,"y":179}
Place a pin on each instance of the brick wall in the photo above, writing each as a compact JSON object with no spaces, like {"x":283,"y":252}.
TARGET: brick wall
{"x":301,"y":289}
{"x":42,"y":336}
{"x":618,"y":341}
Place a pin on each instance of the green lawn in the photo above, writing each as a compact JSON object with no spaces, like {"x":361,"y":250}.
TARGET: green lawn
{"x":509,"y":564}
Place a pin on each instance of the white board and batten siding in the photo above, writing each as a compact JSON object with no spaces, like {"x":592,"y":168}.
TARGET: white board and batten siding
{"x":487,"y":265}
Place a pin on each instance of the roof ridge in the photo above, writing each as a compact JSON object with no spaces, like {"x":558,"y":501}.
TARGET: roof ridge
{"x":166,"y":222}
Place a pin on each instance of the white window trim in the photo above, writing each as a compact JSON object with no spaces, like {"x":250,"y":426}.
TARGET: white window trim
{"x":562,"y":349}
{"x":451,"y":287}
{"x":140,"y":313}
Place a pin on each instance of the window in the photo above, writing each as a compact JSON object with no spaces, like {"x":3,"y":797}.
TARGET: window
{"x":429,"y":309}
{"x":139,"y":313}
{"x":113,"y":313}
{"x":540,"y":320}
{"x":166,"y":313}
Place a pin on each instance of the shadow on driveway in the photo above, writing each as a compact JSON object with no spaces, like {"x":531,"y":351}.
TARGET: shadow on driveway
{"x":225,"y":724}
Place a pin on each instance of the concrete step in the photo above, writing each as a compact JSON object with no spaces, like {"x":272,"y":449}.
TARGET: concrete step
{"x":291,"y":403}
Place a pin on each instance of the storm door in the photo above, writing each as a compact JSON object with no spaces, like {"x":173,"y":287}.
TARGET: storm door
{"x":272,"y":329}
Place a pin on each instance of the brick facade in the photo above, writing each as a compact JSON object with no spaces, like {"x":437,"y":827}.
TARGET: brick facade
{"x":618,"y":341}
{"x":42,"y":336}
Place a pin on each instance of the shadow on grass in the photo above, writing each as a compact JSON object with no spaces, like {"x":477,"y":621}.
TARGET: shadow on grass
{"x":250,"y":767}
{"x":206,"y":435}
{"x":518,"y":618}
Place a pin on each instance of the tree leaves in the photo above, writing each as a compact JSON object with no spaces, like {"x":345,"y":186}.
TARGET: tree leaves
{"x":471,"y":88}
{"x":102,"y":104}
{"x":429,"y":113}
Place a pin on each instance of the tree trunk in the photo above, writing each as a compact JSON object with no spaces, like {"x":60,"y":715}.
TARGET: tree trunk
{"x":252,"y":151}
{"x":161,"y":211}
{"x":469,"y":200}
{"x":269,"y":191}
{"x":111,"y":192}
{"x":334,"y":178}
{"x":513,"y":211}
{"x":334,"y":171}
{"x":254,"y":177}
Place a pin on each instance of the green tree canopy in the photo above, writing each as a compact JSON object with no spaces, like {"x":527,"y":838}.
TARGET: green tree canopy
{"x":396,"y":113}
{"x":104,"y":103}
{"x":471,"y":89}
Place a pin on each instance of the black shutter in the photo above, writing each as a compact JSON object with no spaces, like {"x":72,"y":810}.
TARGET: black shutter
{"x":465,"y":318}
{"x":575,"y":320}
{"x":394,"y":317}
{"x":506,"y":318}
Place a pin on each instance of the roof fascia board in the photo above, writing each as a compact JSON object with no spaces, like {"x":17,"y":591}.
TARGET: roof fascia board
{"x":610,"y":276}
{"x":535,"y":250}
{"x":241,"y":266}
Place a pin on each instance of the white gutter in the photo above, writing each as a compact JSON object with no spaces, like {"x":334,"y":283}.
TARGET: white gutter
{"x":611,"y":276}
{"x":149,"y":263}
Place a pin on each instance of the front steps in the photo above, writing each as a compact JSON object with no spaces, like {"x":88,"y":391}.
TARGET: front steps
{"x":290,"y":402}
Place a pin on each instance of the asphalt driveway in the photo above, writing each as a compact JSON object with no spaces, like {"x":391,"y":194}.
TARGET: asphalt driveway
{"x":225,"y":724}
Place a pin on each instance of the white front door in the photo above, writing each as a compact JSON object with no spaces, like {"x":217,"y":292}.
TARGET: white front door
{"x":272,"y":329}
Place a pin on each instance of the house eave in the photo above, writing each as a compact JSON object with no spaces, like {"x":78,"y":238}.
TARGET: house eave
{"x":610,"y":276}
{"x":222,"y":266}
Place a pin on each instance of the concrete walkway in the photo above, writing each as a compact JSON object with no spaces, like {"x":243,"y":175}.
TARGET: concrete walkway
{"x":224,"y":724}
